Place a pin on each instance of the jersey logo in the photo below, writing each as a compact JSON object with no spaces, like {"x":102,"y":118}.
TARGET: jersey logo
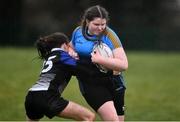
{"x":79,"y":41}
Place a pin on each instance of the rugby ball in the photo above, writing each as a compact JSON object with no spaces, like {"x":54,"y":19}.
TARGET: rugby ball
{"x":105,"y":51}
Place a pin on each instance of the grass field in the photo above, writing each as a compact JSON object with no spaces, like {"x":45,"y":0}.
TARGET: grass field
{"x":152,"y":80}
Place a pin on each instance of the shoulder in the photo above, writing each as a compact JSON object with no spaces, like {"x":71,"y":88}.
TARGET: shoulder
{"x":112,"y":36}
{"x":65,"y":58}
{"x":77,"y":29}
{"x":77,"y":32}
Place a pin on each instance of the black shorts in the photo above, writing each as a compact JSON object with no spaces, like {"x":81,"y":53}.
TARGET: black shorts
{"x":40,"y":103}
{"x":97,"y":92}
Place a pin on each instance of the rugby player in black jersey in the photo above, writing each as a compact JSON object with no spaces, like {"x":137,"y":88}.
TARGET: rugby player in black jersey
{"x":44,"y":97}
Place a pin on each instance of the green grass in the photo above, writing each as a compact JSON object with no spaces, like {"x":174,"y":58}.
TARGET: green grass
{"x":152,"y":81}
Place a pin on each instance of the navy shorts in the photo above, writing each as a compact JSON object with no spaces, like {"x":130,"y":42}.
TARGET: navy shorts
{"x":96,"y":91}
{"x":40,"y":103}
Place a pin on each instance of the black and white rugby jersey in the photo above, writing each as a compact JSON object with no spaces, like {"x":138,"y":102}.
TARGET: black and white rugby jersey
{"x":56,"y":72}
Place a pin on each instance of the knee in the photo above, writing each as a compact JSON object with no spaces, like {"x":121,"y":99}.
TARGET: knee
{"x":91,"y":117}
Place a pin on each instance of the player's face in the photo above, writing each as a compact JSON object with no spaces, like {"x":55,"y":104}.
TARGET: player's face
{"x":96,"y":26}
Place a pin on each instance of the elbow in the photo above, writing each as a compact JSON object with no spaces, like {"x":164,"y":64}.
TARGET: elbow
{"x":126,"y":64}
{"x":124,"y":67}
{"x":121,"y":68}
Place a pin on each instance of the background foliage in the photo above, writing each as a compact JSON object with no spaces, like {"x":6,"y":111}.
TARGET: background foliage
{"x":141,"y":24}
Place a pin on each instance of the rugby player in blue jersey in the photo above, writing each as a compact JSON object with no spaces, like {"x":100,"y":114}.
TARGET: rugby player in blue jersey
{"x":44,"y":97}
{"x":104,"y":92}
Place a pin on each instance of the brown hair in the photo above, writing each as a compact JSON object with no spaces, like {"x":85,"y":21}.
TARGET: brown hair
{"x":90,"y":14}
{"x":93,"y":12}
{"x":46,"y":43}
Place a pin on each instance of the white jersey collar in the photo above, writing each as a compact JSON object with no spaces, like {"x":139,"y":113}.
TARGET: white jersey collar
{"x":56,"y":49}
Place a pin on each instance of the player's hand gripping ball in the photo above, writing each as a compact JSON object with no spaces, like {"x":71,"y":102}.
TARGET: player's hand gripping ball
{"x":105,"y":51}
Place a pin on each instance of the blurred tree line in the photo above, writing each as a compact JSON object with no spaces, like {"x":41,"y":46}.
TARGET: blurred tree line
{"x":140,"y":24}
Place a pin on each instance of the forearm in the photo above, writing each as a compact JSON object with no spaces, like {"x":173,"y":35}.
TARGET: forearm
{"x":118,"y":63}
{"x":72,"y":52}
{"x":113,"y":63}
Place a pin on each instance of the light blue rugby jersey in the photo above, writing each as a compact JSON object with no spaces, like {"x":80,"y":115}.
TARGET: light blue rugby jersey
{"x":84,"y":47}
